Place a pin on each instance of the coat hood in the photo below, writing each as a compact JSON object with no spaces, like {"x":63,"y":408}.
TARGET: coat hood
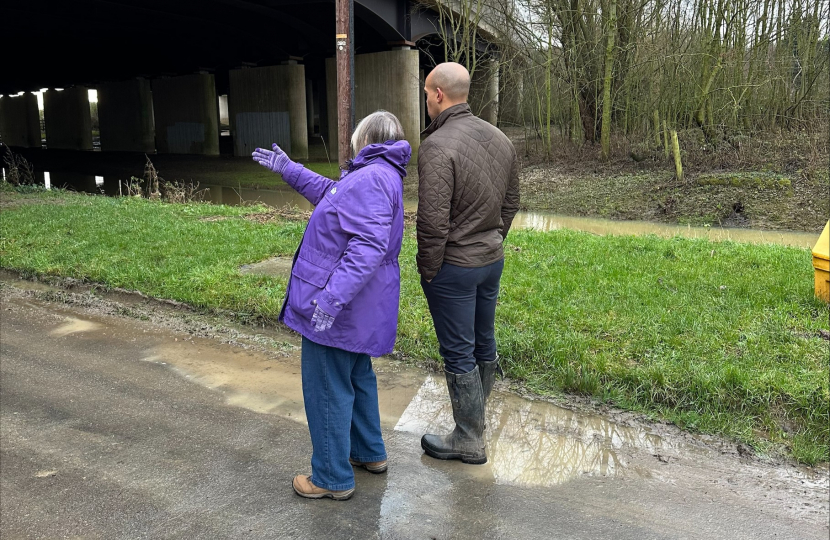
{"x":396,"y":153}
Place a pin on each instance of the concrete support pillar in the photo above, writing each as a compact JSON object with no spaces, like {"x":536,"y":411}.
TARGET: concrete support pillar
{"x":309,"y":107}
{"x":321,"y":106}
{"x":224,"y":115}
{"x":20,"y":121}
{"x":268,"y":104}
{"x":125,"y":117}
{"x":511,"y":92}
{"x":484,"y":91}
{"x":186,"y":115}
{"x":386,"y":80}
{"x":67,"y":118}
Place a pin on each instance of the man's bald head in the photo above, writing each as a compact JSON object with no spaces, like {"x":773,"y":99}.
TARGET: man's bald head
{"x":453,"y":79}
{"x":447,"y":85}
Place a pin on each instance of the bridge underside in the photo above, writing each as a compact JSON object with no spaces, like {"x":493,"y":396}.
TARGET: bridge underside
{"x":164,"y":71}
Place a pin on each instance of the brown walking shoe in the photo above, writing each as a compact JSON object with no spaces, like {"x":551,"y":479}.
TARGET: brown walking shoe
{"x":304,"y":488}
{"x":375,"y":467}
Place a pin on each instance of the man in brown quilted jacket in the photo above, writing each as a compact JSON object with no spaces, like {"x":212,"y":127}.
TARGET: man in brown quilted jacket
{"x":468,"y":194}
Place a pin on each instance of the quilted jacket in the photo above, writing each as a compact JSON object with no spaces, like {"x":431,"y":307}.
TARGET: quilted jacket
{"x":468,"y":192}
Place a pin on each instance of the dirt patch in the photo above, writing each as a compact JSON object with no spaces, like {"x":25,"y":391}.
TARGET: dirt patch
{"x":10,"y":199}
{"x":275,"y":266}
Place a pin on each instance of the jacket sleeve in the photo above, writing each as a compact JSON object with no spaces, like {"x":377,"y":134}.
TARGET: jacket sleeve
{"x":307,"y":183}
{"x":364,"y":213}
{"x":436,"y":182}
{"x":510,"y":204}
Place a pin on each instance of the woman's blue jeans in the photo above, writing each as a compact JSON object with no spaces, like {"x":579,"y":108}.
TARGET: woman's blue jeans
{"x":340,"y":392}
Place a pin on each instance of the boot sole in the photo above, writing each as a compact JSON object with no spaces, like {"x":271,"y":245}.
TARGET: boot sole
{"x":340,"y":497}
{"x":470,"y":460}
{"x":373,"y":470}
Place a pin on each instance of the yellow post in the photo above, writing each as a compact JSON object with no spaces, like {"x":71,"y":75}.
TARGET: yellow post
{"x":821,"y":264}
{"x":675,"y":147}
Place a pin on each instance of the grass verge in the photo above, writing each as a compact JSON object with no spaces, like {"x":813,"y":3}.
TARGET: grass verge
{"x":717,"y":337}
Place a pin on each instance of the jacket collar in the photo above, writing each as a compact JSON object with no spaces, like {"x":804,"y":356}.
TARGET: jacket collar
{"x":456,"y":111}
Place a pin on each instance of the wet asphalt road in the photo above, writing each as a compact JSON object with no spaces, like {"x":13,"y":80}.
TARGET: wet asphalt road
{"x":98,"y":442}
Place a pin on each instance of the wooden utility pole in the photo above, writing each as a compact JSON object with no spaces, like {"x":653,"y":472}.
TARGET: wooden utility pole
{"x":345,"y":77}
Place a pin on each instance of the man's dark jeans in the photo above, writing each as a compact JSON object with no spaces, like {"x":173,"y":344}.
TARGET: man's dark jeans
{"x":462,"y":302}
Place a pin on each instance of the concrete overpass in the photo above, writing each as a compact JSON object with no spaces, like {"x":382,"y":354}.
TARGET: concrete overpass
{"x":160,"y":67}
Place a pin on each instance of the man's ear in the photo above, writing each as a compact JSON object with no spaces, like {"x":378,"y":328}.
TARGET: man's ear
{"x":439,"y":95}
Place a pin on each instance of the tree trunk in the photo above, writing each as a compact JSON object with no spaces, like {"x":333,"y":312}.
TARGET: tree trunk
{"x":611,"y":32}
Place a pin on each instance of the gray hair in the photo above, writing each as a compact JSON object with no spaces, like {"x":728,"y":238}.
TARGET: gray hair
{"x":378,"y":127}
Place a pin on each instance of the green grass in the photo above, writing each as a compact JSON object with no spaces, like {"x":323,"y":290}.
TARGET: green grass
{"x":716,"y":337}
{"x":162,"y":250}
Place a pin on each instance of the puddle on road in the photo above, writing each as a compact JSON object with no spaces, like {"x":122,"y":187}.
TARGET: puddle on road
{"x":529,"y":443}
{"x":535,"y":443}
{"x":265,"y":385}
{"x":73,"y":326}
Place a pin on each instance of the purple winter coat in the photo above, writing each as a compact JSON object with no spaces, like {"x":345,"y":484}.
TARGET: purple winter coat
{"x":348,"y":258}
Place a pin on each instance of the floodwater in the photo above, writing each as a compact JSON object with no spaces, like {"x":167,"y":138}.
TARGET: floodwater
{"x":542,"y":221}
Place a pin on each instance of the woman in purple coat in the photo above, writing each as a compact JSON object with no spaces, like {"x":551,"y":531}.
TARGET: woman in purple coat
{"x":343,"y":297}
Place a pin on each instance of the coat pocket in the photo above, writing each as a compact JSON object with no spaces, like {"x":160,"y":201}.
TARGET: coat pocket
{"x":309,"y":272}
{"x":307,"y":280}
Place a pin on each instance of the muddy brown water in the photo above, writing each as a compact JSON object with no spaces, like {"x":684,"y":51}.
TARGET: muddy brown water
{"x":539,"y":220}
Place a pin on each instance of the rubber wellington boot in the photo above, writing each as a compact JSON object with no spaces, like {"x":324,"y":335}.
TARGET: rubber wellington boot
{"x":466,"y":442}
{"x":488,"y":371}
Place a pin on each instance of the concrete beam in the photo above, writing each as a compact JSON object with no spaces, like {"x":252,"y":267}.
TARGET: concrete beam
{"x":267,"y":105}
{"x":20,"y":121}
{"x":67,"y":117}
{"x":125,"y":116}
{"x":386,"y":80}
{"x":186,"y":115}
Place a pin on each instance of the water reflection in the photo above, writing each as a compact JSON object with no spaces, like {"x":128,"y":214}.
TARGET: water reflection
{"x":238,"y":196}
{"x":85,"y":183}
{"x":534,"y":443}
{"x":264,"y":385}
{"x":529,"y":443}
{"x":548,"y":222}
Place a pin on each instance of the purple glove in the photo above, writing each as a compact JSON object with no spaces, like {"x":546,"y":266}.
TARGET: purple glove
{"x":275,"y":161}
{"x":321,"y":320}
